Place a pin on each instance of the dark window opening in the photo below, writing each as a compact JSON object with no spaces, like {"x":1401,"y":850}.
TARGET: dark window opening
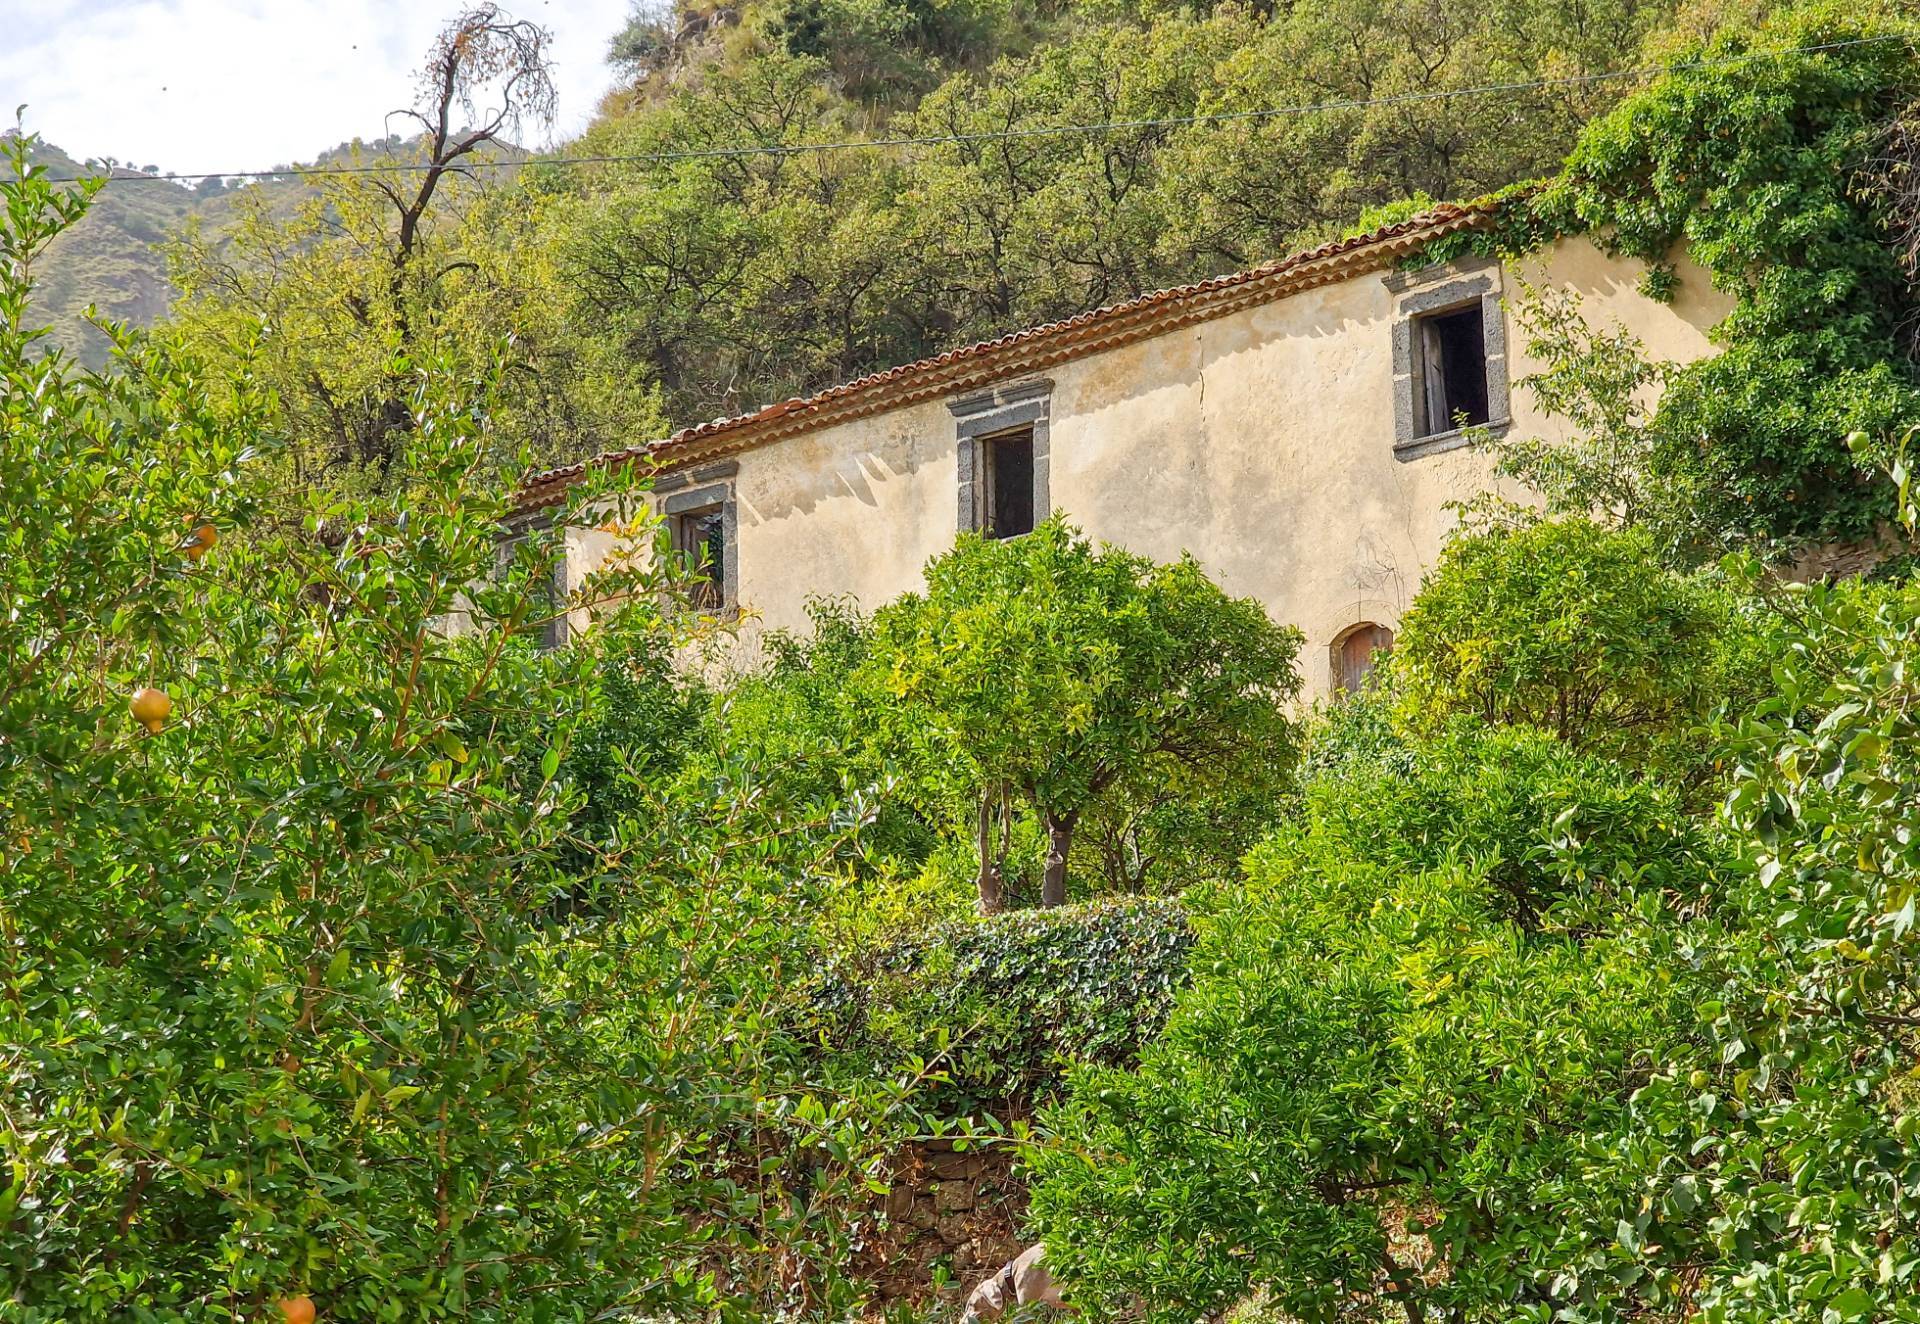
{"x":1009,"y":475}
{"x":700,"y":537}
{"x":1356,"y":653}
{"x":1453,"y":357}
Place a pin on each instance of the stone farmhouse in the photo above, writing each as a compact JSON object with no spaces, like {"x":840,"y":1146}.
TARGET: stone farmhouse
{"x":1294,"y":426}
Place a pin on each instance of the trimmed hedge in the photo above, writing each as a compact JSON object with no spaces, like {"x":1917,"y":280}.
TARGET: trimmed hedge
{"x":1003,"y":1003}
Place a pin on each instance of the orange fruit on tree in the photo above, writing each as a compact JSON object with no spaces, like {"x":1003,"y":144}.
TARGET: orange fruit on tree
{"x":150,"y":708}
{"x":297,"y":1309}
{"x":199,"y":542}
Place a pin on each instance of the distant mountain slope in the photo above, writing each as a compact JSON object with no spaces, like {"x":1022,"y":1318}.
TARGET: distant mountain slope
{"x":115,"y":258}
{"x":111,"y":259}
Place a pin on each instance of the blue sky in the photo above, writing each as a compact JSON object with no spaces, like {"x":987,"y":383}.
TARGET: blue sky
{"x":230,"y":85}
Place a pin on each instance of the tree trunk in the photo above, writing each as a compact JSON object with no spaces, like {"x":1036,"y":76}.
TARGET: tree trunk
{"x":993,"y":897}
{"x":1407,"y":1284}
{"x":1053,"y":883}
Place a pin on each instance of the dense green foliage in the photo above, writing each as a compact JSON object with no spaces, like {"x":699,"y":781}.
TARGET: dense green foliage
{"x":1081,"y":681}
{"x":1380,"y":1085}
{"x":1814,"y":1124}
{"x":1771,"y":169}
{"x":1006,"y":1001}
{"x":306,"y":294}
{"x":438,"y":976}
{"x":1756,"y":166}
{"x":808,"y":712}
{"x":289,"y":1001}
{"x":1577,"y":630}
{"x":411,"y":967}
{"x":1507,"y":1028}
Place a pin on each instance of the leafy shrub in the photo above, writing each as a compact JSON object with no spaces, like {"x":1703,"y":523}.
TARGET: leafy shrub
{"x":286,"y":1007}
{"x":1578,"y":630}
{"x":1809,"y":1070}
{"x":1546,"y":826}
{"x":1379,"y":1089}
{"x":1045,"y":703}
{"x":1004,"y":1001}
{"x":625,"y":727}
{"x":806,"y":721}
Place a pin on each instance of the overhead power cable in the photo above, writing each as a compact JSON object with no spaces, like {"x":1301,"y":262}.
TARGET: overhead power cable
{"x":998,"y":135}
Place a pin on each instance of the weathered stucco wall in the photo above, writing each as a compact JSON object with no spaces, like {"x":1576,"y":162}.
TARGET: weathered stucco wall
{"x":1262,"y":441}
{"x":853,"y":510}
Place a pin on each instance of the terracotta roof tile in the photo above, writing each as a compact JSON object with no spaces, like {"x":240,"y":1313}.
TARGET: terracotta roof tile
{"x":1032,"y":347}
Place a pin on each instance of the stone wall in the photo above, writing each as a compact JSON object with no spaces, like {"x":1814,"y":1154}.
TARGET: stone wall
{"x":951,"y":1218}
{"x":1830,"y":562}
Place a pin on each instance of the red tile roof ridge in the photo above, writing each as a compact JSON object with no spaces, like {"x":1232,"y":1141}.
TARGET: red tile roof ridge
{"x":1149,"y":310}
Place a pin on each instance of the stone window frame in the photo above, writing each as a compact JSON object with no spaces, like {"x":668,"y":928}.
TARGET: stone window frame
{"x":695,"y":492}
{"x":1444,"y":288}
{"x":981,"y":416}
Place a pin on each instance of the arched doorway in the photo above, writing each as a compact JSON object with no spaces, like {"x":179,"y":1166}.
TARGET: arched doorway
{"x":1354,"y":654}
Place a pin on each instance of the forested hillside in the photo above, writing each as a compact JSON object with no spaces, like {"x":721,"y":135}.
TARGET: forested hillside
{"x":115,"y":258}
{"x":754,"y":235}
{"x":737,"y":279}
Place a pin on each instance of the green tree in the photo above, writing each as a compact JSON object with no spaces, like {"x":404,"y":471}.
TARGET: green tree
{"x":1804,"y":1096}
{"x":1579,"y":630}
{"x":729,"y":274}
{"x":1406,"y":1027}
{"x":1757,"y":162}
{"x":1042,"y":668}
{"x":691,"y":266}
{"x":1501,"y":1031}
{"x":1600,"y":381}
{"x":414,"y":251}
{"x":305,"y":987}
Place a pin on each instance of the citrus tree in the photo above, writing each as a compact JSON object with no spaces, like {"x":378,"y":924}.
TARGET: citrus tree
{"x":1806,"y":1099}
{"x":310,"y":990}
{"x":1045,"y":669}
{"x":1411,"y":1030}
{"x":1577,"y":629}
{"x":1505,"y":1029}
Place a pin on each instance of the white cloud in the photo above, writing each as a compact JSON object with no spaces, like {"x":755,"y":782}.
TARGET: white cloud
{"x":230,"y":85}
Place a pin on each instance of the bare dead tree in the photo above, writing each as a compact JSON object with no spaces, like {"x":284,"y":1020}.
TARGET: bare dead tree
{"x":495,"y":72}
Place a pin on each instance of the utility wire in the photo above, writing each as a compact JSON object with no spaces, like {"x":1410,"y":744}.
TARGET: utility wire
{"x":997,"y":135}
